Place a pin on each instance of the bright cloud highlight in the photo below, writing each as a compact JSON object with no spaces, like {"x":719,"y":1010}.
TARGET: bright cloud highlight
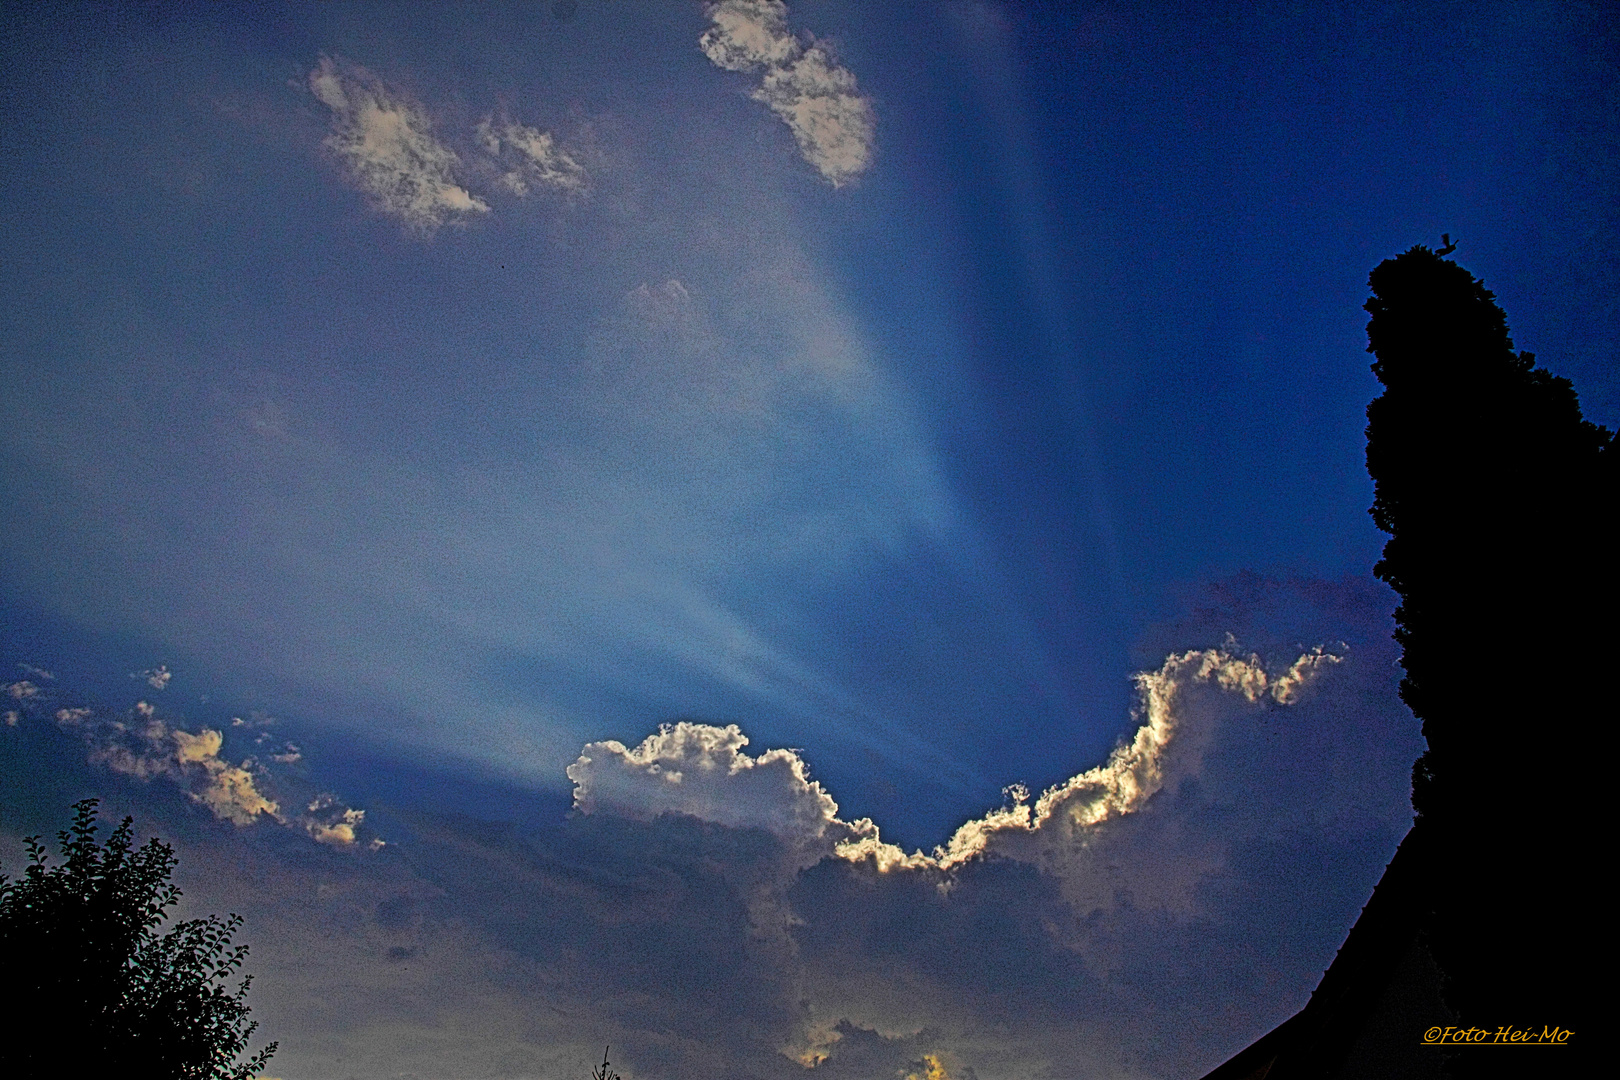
{"x":816,"y":98}
{"x":702,"y":771}
{"x":1134,"y":772}
{"x":146,"y":747}
{"x":143,"y":745}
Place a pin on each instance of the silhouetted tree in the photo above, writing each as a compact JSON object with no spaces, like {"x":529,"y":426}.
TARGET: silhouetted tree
{"x":94,"y":989}
{"x":603,"y":1071}
{"x":1500,"y":501}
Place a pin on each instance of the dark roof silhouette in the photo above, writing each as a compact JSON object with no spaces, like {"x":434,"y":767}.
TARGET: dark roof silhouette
{"x":1381,"y":993}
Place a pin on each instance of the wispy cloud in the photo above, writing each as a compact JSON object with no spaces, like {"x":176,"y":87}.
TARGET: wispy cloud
{"x":386,"y":143}
{"x":157,"y":678}
{"x":146,"y":746}
{"x":818,"y":99}
{"x":527,"y":157}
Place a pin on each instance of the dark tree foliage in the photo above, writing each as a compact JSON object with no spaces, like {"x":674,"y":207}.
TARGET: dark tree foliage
{"x":94,"y":989}
{"x":1500,"y":501}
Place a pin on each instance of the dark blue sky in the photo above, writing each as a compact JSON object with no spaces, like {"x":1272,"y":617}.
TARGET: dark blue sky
{"x":897,"y":383}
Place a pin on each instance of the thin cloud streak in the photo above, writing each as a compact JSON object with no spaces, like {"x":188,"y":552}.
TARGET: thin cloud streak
{"x":527,"y":157}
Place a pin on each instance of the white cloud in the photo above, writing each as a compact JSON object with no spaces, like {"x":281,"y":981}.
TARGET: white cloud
{"x":702,"y":771}
{"x":748,"y":35}
{"x":386,"y":142}
{"x":227,"y":790}
{"x":331,"y":822}
{"x":22,"y":690}
{"x":832,"y":123}
{"x":819,"y":100}
{"x":528,"y":157}
{"x":157,"y":678}
{"x":147,"y":747}
{"x":1134,"y":772}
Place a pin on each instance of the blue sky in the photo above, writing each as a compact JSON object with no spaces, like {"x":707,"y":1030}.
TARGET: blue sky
{"x":441,"y":395}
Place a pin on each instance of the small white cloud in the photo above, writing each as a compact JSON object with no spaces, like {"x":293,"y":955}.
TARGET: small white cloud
{"x":330,"y":822}
{"x":22,"y":690}
{"x":157,"y":678}
{"x":819,"y":100}
{"x":527,"y":157}
{"x":748,"y":35}
{"x":228,"y":790}
{"x":38,"y":673}
{"x":11,"y":718}
{"x":386,"y":142}
{"x":702,"y":771}
{"x":257,"y":719}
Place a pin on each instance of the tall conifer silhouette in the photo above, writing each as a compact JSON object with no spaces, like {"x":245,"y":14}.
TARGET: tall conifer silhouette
{"x":1500,"y":504}
{"x":1500,"y":501}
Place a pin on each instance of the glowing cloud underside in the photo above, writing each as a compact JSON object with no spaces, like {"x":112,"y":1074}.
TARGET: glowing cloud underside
{"x":702,"y":771}
{"x":816,"y":98}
